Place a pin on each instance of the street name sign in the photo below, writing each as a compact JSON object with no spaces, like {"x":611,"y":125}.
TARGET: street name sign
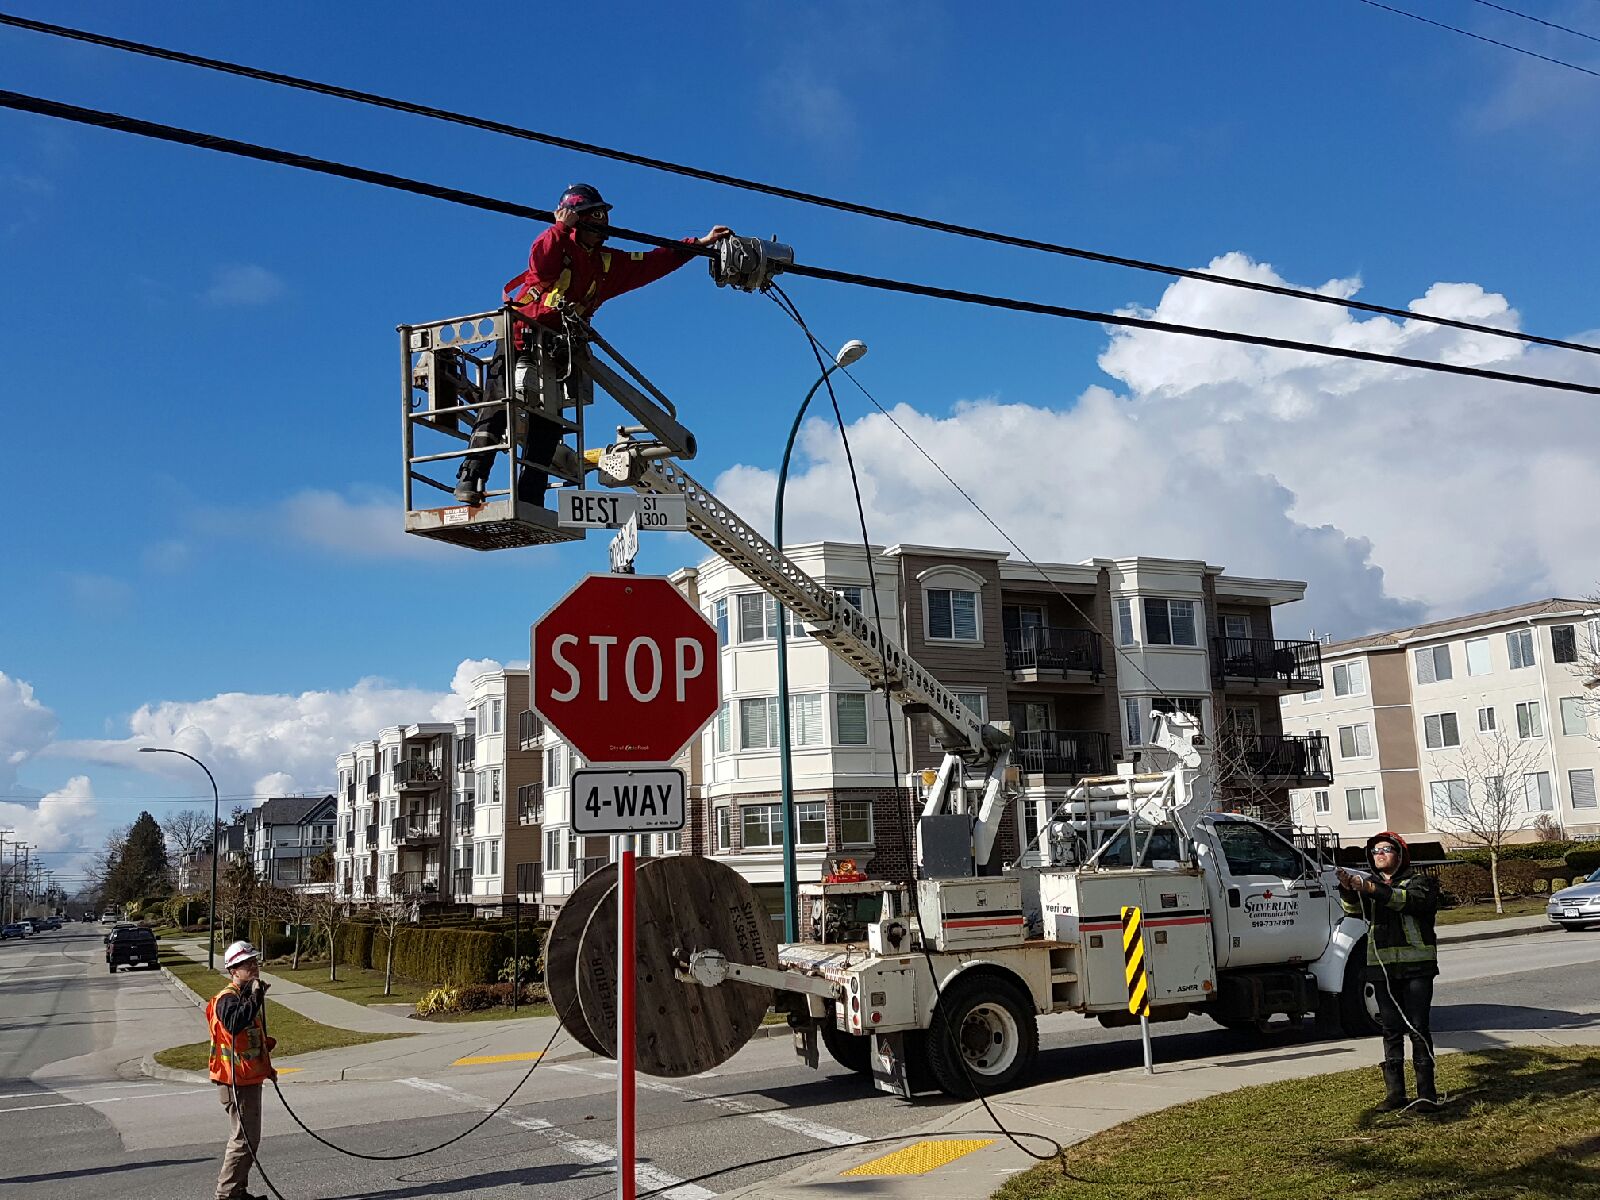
{"x":611,"y":510}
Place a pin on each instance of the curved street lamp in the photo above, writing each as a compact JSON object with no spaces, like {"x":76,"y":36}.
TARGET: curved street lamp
{"x":850,"y":352}
{"x":216,"y":822}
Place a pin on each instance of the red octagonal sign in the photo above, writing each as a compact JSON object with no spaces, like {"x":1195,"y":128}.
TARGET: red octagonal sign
{"x":625,"y":669}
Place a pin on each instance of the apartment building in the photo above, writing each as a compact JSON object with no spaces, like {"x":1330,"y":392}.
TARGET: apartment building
{"x":1417,"y":718}
{"x":429,"y":812}
{"x":283,"y":834}
{"x":1014,"y":642}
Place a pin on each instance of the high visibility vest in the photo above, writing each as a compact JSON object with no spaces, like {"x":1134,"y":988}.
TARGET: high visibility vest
{"x":242,"y":1058}
{"x":533,"y":299}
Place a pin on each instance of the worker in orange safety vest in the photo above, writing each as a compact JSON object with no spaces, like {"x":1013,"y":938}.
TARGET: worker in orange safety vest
{"x":241,"y":1061}
{"x":569,"y":276}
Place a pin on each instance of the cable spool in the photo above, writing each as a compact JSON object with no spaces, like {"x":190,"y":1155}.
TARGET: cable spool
{"x":684,"y":903}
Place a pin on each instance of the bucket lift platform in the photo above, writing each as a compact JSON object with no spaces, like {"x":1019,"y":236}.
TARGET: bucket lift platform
{"x":453,"y":369}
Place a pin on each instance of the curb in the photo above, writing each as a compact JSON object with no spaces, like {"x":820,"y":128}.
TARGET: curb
{"x":184,"y":990}
{"x":149,"y":1066}
{"x":1492,"y":934}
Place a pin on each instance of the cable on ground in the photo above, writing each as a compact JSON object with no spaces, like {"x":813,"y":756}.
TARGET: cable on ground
{"x":865,"y":210}
{"x":124,"y":124}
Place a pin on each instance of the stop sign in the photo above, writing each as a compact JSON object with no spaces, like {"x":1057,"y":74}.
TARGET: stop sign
{"x":625,"y":669}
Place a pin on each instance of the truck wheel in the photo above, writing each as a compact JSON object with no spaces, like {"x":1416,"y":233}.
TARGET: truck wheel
{"x":983,"y":1033}
{"x":1358,"y":1008}
{"x":112,"y":968}
{"x":850,"y":1051}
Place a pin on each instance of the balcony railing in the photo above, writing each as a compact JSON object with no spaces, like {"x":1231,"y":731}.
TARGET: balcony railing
{"x":1275,"y":756}
{"x":1266,"y":660}
{"x":372,"y":836}
{"x":416,"y":773}
{"x":463,"y":817}
{"x":1044,"y":648}
{"x":529,"y":729}
{"x":1064,"y":751}
{"x":350,"y":794}
{"x":414,"y":827}
{"x":530,"y":804}
{"x":530,"y":878}
{"x":347,"y":887}
{"x":587,"y":866}
{"x":369,"y":885}
{"x":372,"y":785}
{"x":461,"y":882}
{"x":415,"y":883}
{"x":349,"y":839}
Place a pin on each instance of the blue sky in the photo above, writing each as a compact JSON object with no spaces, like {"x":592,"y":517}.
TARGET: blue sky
{"x":204,"y":459}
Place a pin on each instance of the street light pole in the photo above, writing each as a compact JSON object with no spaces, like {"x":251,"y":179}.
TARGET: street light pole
{"x":848,"y":353}
{"x":216,"y":821}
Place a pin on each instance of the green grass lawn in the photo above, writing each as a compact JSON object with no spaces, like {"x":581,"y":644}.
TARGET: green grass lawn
{"x":355,"y":984}
{"x":1522,"y":1124}
{"x":1520,"y":906}
{"x":296,"y":1034}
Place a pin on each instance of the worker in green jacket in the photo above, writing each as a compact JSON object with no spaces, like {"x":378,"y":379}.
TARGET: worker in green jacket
{"x":1398,"y":905}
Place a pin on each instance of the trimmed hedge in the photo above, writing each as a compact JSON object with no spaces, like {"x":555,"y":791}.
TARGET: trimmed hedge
{"x":1464,"y":882}
{"x":1583,"y":860}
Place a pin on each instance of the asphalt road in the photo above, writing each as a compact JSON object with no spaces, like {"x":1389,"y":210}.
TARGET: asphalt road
{"x":76,"y":1120}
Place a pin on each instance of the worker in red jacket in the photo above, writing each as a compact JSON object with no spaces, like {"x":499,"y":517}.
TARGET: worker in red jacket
{"x":569,"y":276}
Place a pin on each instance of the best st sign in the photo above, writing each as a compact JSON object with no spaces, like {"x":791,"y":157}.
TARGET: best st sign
{"x":625,"y":669}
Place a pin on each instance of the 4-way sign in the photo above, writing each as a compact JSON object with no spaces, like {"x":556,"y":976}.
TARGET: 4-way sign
{"x":625,"y":668}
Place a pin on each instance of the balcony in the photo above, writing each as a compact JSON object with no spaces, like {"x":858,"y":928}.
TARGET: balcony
{"x":369,"y":885}
{"x":529,"y":729}
{"x":350,"y":839}
{"x":1042,"y":653}
{"x":1275,"y":759}
{"x":416,"y":775}
{"x":415,"y":829}
{"x":465,"y":750}
{"x":530,"y":879}
{"x":350,"y":794}
{"x":461,"y":884}
{"x":1266,"y":664}
{"x":415,"y":883}
{"x":1064,"y":752}
{"x":585,"y":867}
{"x":530,"y":804}
{"x":464,"y":818}
{"x":372,"y":836}
{"x":372,"y":785}
{"x":347,"y":887}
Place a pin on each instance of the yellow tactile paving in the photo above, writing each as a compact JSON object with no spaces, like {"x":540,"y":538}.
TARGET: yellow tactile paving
{"x":478,"y":1060}
{"x":920,"y":1158}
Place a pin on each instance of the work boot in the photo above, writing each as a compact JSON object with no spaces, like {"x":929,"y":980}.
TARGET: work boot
{"x":469,"y":488}
{"x":1394,"y":1083}
{"x":1427,"y":1093}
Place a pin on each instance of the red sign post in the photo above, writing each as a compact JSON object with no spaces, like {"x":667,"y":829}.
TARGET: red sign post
{"x":625,"y":669}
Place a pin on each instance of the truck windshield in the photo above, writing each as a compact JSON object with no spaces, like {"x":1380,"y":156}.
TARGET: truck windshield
{"x":1251,"y":850}
{"x":1163,"y":845}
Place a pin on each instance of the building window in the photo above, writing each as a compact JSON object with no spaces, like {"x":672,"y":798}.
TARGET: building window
{"x":855,"y":822}
{"x":1192,"y":705}
{"x":719,"y":618}
{"x":1478,"y":656}
{"x":1441,"y":730}
{"x":850,"y":710}
{"x":1574,"y":721}
{"x":494,"y":716}
{"x":811,"y":823}
{"x":1235,"y":625}
{"x":1529,"y":723}
{"x":494,"y":856}
{"x":1537,"y":794}
{"x":1355,"y":741}
{"x":1130,"y":710}
{"x":1320,"y":802}
{"x":671,"y":843}
{"x":1125,"y":622}
{"x":952,"y":615}
{"x":494,"y":786}
{"x":761,"y":826}
{"x":1361,"y":804}
{"x":1310,"y":697}
{"x":1350,"y":679}
{"x":1519,"y":648}
{"x":552,"y":849}
{"x":1564,"y":643}
{"x":758,"y":723}
{"x":758,"y":617}
{"x":1486,"y":720}
{"x":553,"y":760}
{"x":724,"y":830}
{"x":1433,"y":664}
{"x":806,"y":722}
{"x":976,"y":702}
{"x":1169,"y":622}
{"x":1449,"y":797}
{"x":1581,"y":786}
{"x":851,"y":595}
{"x":724,"y":730}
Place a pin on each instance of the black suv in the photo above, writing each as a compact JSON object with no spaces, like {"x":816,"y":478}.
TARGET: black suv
{"x":131,"y":945}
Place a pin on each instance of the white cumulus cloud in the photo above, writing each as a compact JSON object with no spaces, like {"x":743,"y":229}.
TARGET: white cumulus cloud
{"x":26,"y":727}
{"x":1395,"y":493}
{"x":244,"y":285}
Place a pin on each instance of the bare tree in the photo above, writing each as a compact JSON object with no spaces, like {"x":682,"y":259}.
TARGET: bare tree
{"x":1488,"y":802}
{"x":295,"y":909}
{"x":328,"y":915}
{"x":391,"y":912}
{"x":1587,"y":667}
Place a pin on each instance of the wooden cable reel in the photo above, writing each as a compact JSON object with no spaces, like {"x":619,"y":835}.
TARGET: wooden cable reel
{"x":683,"y":903}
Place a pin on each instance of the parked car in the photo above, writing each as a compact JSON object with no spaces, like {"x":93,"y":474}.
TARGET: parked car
{"x":132,"y":945}
{"x":1577,"y":907}
{"x":12,"y":930}
{"x":108,"y":917}
{"x":27,"y":928}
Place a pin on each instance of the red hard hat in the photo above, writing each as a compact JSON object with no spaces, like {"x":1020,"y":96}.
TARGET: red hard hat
{"x":583,"y":197}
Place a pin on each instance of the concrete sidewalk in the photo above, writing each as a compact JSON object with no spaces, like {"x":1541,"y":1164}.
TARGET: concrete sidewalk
{"x":1072,"y":1110}
{"x":1477,"y":931}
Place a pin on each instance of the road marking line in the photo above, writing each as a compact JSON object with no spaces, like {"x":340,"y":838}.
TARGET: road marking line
{"x":478,"y":1060}
{"x":593,"y":1153}
{"x":82,"y":1087}
{"x":87,"y":1103}
{"x":920,"y":1158}
{"x":782,"y":1120}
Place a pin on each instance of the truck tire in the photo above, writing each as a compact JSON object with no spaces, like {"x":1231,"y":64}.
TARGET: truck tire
{"x":984,"y":1034}
{"x":851,"y":1051}
{"x":1357,"y":1015}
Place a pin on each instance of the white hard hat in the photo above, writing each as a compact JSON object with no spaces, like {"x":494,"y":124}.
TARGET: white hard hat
{"x":237,"y":953}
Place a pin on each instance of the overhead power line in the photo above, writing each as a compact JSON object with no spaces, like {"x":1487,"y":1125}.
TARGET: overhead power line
{"x":1537,"y":20}
{"x":1478,"y":37}
{"x":206,"y":141}
{"x":660,"y":164}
